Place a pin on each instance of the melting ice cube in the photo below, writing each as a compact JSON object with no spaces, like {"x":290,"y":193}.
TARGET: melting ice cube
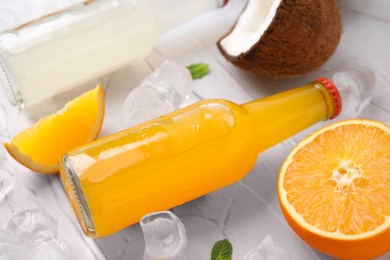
{"x":33,"y":226}
{"x":356,"y":87}
{"x":52,"y":250}
{"x":161,"y":92}
{"x":266,"y":250}
{"x":165,"y":236}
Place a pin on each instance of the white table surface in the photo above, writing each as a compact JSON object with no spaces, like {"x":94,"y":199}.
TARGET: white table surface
{"x":246,"y":212}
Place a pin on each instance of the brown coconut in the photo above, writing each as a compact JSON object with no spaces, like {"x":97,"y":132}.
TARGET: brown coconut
{"x":301,"y":36}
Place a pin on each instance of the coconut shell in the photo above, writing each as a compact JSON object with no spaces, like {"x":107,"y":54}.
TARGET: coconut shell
{"x":300,"y":38}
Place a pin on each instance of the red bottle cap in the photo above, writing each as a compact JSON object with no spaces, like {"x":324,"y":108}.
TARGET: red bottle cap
{"x":334,"y":93}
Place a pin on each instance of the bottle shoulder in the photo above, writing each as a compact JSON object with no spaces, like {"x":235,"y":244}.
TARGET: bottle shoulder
{"x":236,"y":115}
{"x":234,"y":107}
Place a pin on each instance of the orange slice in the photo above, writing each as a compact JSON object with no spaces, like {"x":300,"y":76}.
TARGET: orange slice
{"x":40,"y":147}
{"x":334,"y":189}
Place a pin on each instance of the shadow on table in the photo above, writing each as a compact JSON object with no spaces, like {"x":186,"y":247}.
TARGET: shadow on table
{"x":126,"y":244}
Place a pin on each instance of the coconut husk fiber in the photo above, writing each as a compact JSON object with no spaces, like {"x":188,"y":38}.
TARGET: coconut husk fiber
{"x":301,"y":37}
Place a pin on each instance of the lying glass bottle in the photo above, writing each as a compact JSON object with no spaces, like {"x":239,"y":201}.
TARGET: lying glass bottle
{"x":114,"y":181}
{"x":64,"y":51}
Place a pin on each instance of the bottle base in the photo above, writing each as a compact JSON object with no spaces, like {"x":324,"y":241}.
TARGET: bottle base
{"x":75,"y":193}
{"x":9,"y":86}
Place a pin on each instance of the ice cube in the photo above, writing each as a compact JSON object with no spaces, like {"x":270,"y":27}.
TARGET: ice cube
{"x":13,"y":247}
{"x":7,"y":174}
{"x":266,"y":250}
{"x":165,"y":236}
{"x":33,"y":226}
{"x":161,"y":92}
{"x":12,"y":121}
{"x":171,"y":75}
{"x":3,"y":124}
{"x":52,"y":250}
{"x":356,"y":87}
{"x":7,"y":180}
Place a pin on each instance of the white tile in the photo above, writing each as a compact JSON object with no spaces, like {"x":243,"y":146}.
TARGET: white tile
{"x":250,"y":220}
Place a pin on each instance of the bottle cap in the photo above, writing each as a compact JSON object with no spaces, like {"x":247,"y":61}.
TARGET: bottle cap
{"x":222,"y":3}
{"x":334,"y":93}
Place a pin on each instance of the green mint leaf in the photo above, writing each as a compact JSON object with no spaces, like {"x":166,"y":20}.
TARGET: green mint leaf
{"x":198,"y":70}
{"x":222,"y":250}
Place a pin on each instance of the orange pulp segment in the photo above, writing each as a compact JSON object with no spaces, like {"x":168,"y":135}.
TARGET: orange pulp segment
{"x":40,"y":146}
{"x":334,"y":189}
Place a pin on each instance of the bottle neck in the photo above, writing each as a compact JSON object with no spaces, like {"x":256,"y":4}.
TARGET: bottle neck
{"x":173,"y":13}
{"x":280,"y":116}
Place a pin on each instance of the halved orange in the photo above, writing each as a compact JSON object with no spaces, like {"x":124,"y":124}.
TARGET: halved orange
{"x":334,"y":189}
{"x":40,"y":147}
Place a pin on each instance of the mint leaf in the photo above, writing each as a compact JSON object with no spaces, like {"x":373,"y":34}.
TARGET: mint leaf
{"x":198,"y":70}
{"x":222,"y":250}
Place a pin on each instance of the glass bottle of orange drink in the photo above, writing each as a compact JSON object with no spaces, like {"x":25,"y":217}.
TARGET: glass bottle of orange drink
{"x":114,"y":181}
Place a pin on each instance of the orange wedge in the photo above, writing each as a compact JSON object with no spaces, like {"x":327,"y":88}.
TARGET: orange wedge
{"x":334,"y":189}
{"x":39,"y":147}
